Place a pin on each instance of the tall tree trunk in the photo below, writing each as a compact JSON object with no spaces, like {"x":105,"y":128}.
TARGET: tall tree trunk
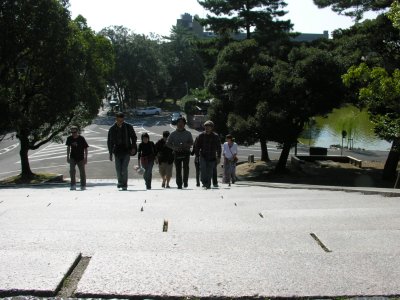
{"x":26,"y":172}
{"x":281,"y":166}
{"x":264,"y":150}
{"x":389,"y":171}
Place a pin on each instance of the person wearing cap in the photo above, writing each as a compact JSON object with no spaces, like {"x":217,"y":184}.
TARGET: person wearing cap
{"x":146,"y":156}
{"x":165,"y":159}
{"x":77,"y":153}
{"x":180,"y":141}
{"x":121,"y":143}
{"x":208,"y":148}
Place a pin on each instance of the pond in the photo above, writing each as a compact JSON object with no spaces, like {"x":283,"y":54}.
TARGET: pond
{"x":327,"y":131}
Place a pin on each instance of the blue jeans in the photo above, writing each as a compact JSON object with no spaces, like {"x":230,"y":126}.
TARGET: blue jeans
{"x":121,"y":166}
{"x":148,"y":173}
{"x":206,"y":171}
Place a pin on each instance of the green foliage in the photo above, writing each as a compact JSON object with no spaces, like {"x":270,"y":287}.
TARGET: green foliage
{"x":233,"y":16}
{"x":197,"y":98}
{"x":51,"y":71}
{"x":183,"y":62}
{"x":394,"y":14}
{"x":354,"y":8}
{"x":380,"y":92}
{"x":139,"y":70}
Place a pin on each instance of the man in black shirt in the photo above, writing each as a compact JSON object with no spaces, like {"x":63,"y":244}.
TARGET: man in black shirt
{"x":77,"y":152}
{"x":208,"y":148}
{"x":121,"y":143}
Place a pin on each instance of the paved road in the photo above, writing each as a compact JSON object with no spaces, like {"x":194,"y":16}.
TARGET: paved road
{"x":51,"y":157}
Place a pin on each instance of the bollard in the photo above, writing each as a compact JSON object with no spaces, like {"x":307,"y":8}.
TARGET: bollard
{"x":250,"y":158}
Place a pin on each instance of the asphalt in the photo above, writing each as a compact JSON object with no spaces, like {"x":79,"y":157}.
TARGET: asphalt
{"x":245,"y":241}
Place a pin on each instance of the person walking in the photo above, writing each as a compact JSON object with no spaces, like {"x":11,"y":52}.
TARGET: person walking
{"x":121,"y":142}
{"x":165,"y":159}
{"x":208,"y":148}
{"x":180,"y":141}
{"x":230,"y":153}
{"x":146,"y":156}
{"x":77,"y":154}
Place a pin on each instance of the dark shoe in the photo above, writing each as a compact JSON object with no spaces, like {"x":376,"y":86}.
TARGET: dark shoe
{"x":119,"y":186}
{"x":163,"y":185}
{"x":179,"y":187}
{"x":168,"y":187}
{"x":73,"y":187}
{"x":83,"y":188}
{"x":198,"y":184}
{"x":124,"y":188}
{"x":216,"y":185}
{"x":185,"y":185}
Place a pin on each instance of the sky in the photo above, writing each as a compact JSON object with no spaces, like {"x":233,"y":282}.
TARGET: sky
{"x":158,"y":16}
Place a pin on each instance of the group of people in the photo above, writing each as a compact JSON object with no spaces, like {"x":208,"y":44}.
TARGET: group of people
{"x":173,"y":148}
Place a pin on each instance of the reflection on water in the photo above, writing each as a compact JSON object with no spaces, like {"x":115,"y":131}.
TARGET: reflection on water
{"x":327,"y":131}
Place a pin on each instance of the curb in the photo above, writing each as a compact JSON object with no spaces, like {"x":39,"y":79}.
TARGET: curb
{"x":364,"y":190}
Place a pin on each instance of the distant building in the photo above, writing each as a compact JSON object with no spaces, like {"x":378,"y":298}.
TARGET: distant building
{"x":191,"y":24}
{"x":309,"y":37}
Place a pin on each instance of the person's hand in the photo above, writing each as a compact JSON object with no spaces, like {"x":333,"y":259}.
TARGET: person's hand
{"x":68,"y":160}
{"x":218,"y":160}
{"x":133,"y":151}
{"x":111,"y":157}
{"x":85,"y":160}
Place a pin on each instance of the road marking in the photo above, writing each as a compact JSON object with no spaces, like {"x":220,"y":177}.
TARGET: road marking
{"x":9,"y":148}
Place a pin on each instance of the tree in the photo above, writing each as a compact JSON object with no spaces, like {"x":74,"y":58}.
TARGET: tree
{"x":380,"y":92}
{"x":240,"y":81}
{"x":233,"y":15}
{"x":373,"y":76}
{"x":183,"y":62}
{"x":51,"y":71}
{"x":139,"y":70}
{"x":306,"y":84}
{"x":263,"y":98}
{"x":354,"y":8}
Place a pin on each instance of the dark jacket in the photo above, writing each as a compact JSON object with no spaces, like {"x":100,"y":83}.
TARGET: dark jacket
{"x":121,"y":140}
{"x":164,"y":153}
{"x":208,"y":146}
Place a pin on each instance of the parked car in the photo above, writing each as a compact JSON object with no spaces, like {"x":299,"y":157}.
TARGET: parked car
{"x":152,"y":110}
{"x":174,"y":117}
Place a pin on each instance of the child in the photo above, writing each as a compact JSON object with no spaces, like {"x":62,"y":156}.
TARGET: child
{"x":165,"y":157}
{"x":146,"y":155}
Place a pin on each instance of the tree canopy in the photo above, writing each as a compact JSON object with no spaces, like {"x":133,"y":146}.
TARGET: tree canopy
{"x":354,"y":8}
{"x":233,"y":16}
{"x":52,"y":71}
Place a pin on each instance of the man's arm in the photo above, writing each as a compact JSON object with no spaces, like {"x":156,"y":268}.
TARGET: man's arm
{"x":197,"y":145}
{"x":68,"y":152}
{"x":133,"y":138}
{"x":110,"y":143}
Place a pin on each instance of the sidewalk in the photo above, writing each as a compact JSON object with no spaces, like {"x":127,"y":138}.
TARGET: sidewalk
{"x":242,"y":241}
